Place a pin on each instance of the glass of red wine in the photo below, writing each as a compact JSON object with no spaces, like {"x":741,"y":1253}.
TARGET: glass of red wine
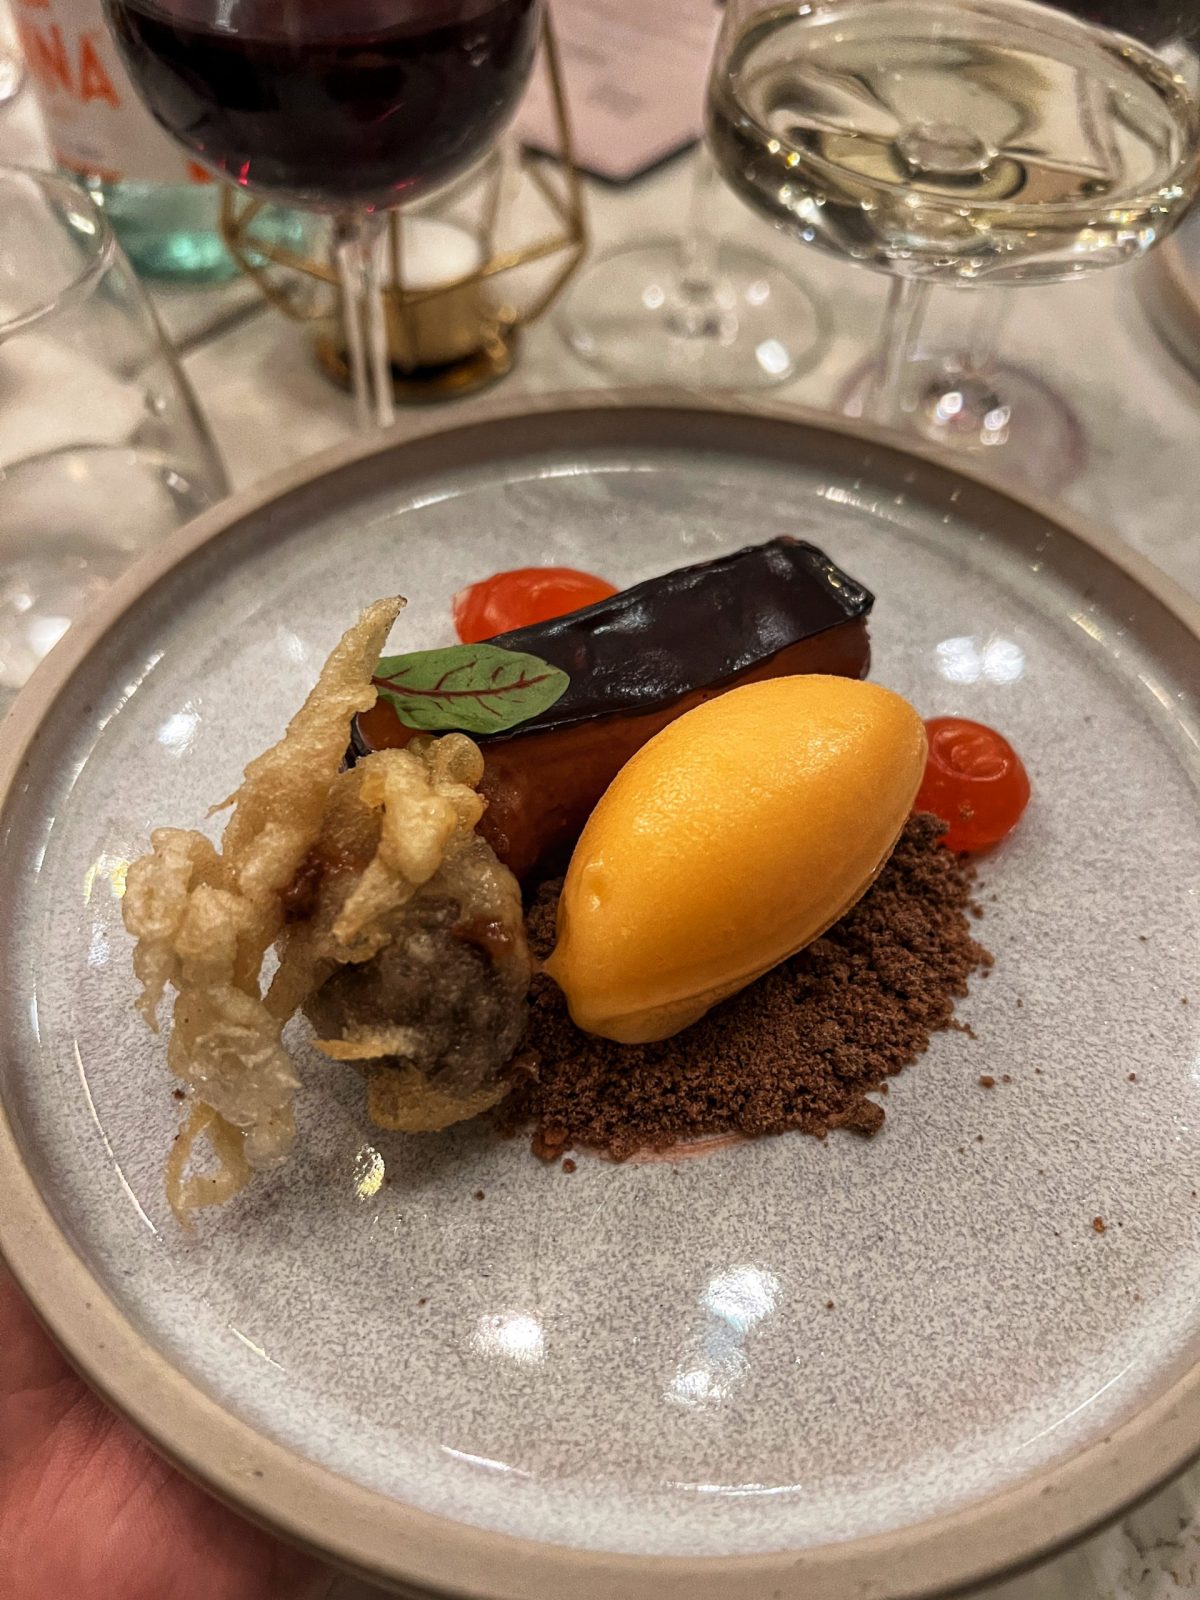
{"x":347,"y":107}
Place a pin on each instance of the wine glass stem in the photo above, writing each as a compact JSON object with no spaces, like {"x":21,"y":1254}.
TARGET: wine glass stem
{"x":378,"y":348}
{"x":963,"y":402}
{"x":694,"y":310}
{"x":993,"y":308}
{"x":908,"y":302}
{"x":698,"y":244}
{"x":358,"y":245}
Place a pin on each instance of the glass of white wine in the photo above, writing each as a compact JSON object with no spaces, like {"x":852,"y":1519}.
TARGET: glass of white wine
{"x":963,"y":142}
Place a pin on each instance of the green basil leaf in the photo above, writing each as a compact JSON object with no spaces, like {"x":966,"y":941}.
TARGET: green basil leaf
{"x":474,"y":688}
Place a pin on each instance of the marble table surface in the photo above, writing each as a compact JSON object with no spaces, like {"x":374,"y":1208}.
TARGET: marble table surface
{"x":269,"y":406}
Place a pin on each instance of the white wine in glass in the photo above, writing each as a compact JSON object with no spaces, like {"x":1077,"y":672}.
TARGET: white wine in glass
{"x":959,"y":141}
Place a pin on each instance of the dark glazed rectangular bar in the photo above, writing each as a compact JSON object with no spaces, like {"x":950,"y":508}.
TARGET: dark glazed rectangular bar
{"x":636,"y":662}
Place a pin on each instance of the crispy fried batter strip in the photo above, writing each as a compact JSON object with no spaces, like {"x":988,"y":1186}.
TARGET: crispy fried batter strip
{"x":205,"y":918}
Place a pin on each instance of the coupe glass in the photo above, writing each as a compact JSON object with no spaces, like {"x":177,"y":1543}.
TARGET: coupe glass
{"x":963,"y":142}
{"x":345,"y":107}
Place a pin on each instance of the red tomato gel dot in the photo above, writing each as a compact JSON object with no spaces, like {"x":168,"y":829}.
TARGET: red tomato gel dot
{"x":519,"y":598}
{"x":974,"y":780}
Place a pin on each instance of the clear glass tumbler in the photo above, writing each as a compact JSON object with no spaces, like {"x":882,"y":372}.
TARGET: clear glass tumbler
{"x":102,"y":448}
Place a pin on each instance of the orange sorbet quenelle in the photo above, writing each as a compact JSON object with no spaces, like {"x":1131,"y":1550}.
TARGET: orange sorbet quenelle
{"x":731,"y":840}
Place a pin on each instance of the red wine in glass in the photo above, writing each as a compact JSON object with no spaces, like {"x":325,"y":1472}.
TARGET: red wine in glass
{"x":331,"y":104}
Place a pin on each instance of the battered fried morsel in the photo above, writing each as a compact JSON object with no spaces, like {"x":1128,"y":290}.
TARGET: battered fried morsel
{"x":370,"y":872}
{"x":427,"y":990}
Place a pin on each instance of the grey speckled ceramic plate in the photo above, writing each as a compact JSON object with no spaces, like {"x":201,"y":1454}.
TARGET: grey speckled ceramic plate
{"x":626,"y":1382}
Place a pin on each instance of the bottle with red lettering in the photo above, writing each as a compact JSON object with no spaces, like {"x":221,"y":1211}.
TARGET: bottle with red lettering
{"x":163,"y":208}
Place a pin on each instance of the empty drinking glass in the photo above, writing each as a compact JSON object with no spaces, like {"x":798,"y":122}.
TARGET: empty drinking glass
{"x":102,"y":448}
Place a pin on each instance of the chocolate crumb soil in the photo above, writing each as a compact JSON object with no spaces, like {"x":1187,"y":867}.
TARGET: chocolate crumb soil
{"x":800,"y":1049}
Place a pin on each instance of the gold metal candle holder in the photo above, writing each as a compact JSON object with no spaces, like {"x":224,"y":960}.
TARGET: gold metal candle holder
{"x":469,"y":266}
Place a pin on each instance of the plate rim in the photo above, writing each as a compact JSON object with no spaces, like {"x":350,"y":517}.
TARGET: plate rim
{"x":388,"y":1542}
